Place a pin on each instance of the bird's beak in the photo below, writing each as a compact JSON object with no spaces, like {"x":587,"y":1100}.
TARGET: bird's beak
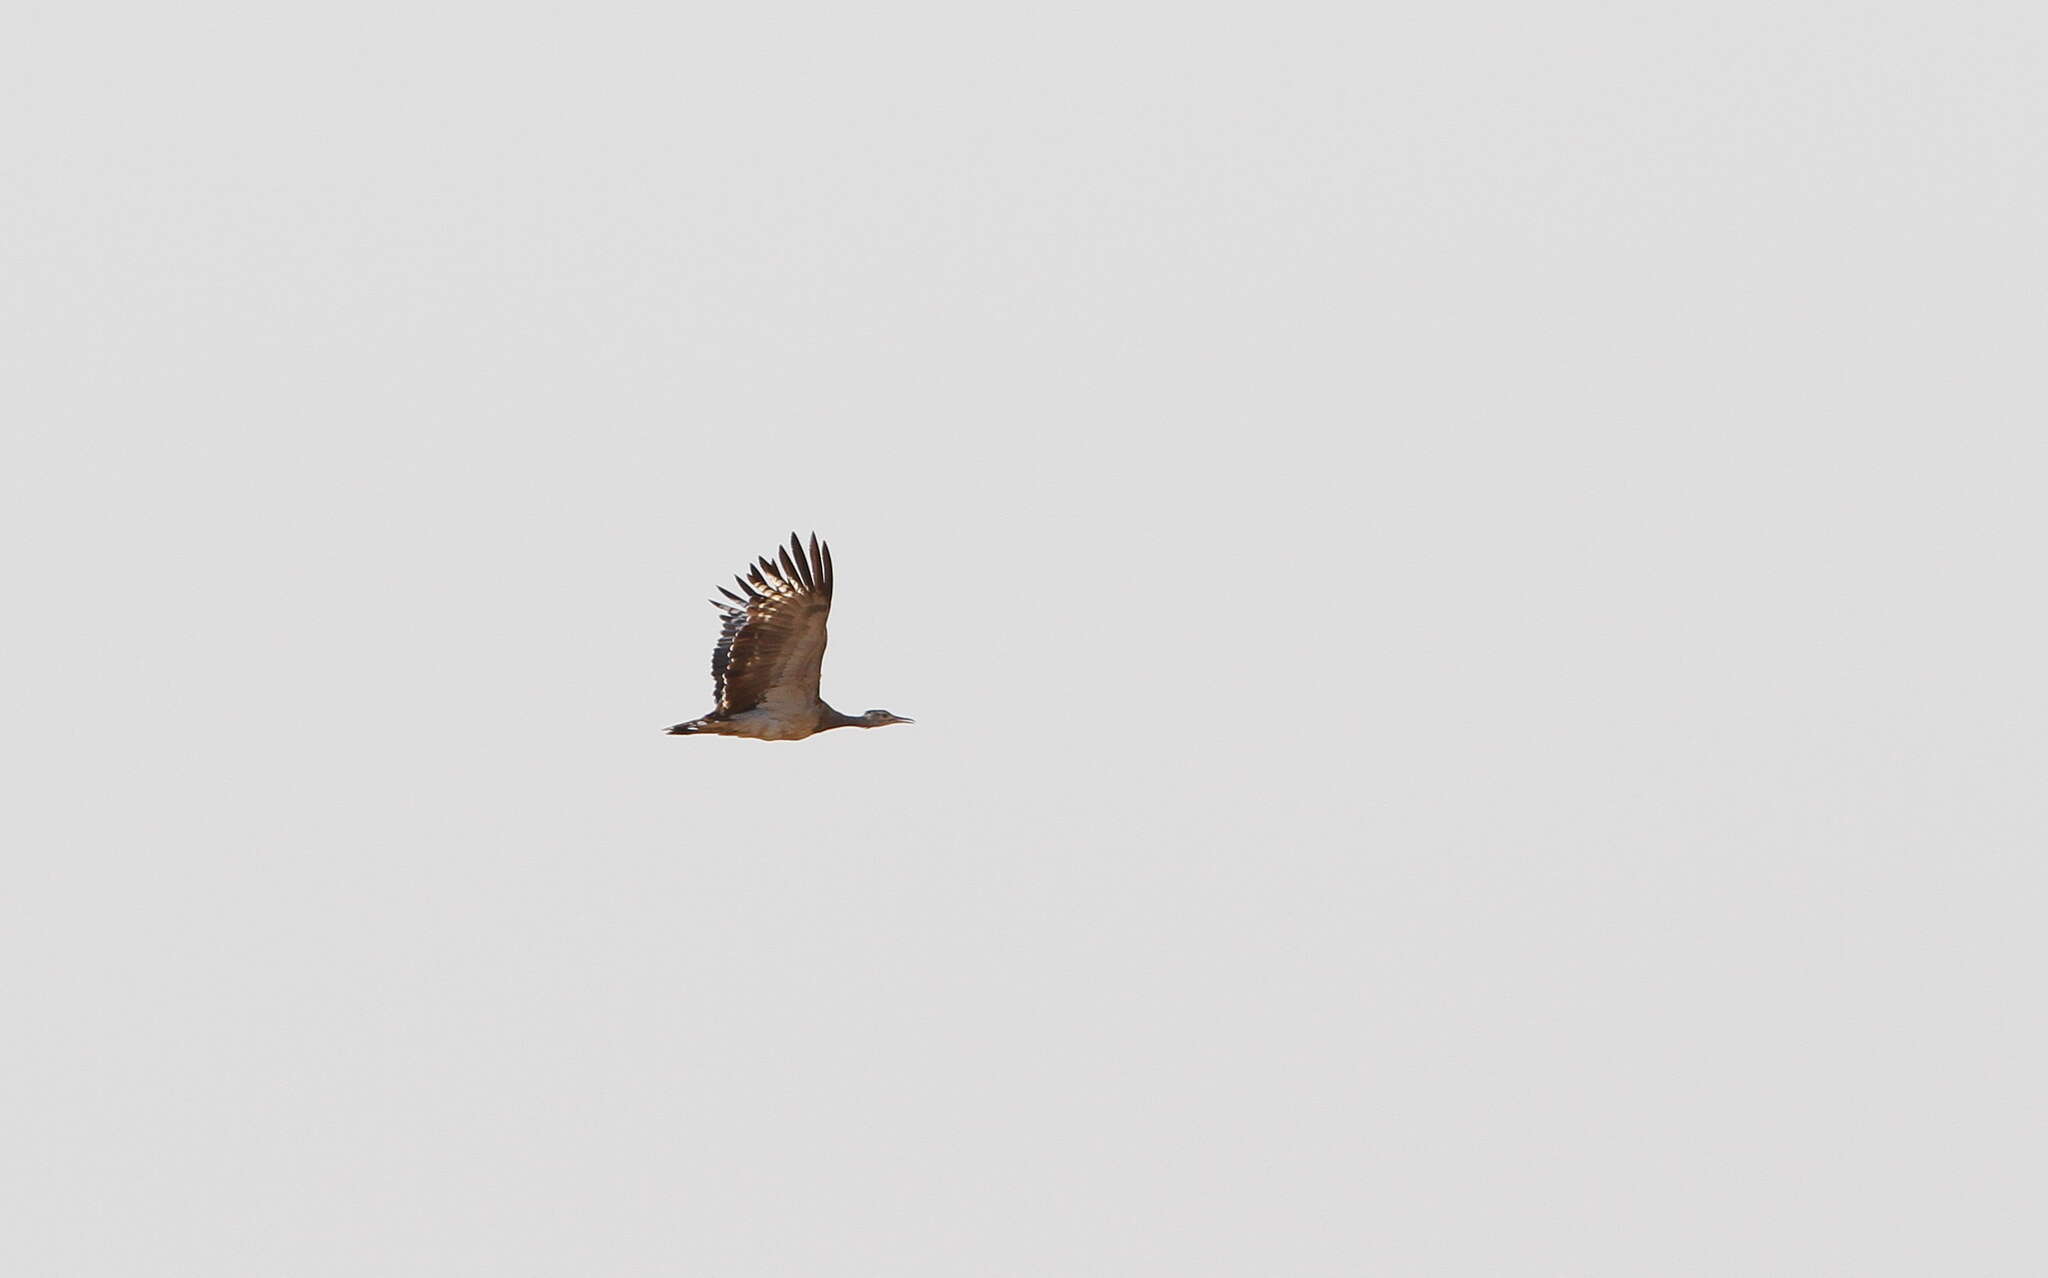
{"x":897,"y":718}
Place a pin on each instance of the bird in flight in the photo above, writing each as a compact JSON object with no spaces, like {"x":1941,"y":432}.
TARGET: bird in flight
{"x":765,"y":668}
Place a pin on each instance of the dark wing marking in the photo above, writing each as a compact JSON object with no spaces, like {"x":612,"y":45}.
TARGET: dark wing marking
{"x":773,"y":643}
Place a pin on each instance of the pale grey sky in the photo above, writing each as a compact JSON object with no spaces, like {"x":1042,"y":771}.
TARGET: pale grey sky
{"x":1467,"y":577}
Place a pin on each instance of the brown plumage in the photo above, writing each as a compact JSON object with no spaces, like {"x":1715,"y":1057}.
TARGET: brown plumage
{"x":765,"y":668}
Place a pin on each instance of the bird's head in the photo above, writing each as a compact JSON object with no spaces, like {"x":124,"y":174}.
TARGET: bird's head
{"x":877,"y":718}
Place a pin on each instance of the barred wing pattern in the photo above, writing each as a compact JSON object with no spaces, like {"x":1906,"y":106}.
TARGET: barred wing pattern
{"x":773,"y":643}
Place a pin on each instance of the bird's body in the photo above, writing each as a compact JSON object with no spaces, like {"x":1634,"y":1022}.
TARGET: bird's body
{"x":766,"y":666}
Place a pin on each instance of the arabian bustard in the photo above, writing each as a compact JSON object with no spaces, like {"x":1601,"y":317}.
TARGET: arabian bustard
{"x":765,"y":668}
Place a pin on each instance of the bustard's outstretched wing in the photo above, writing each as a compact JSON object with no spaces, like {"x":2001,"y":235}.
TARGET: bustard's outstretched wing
{"x":774,"y":638}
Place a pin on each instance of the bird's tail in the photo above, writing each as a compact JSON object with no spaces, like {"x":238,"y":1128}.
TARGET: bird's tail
{"x":717,"y":727}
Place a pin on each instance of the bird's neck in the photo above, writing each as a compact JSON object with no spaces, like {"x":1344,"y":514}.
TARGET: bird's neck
{"x":833,"y":719}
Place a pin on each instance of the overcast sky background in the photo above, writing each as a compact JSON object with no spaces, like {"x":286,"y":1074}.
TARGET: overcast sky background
{"x":1469,"y":579}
